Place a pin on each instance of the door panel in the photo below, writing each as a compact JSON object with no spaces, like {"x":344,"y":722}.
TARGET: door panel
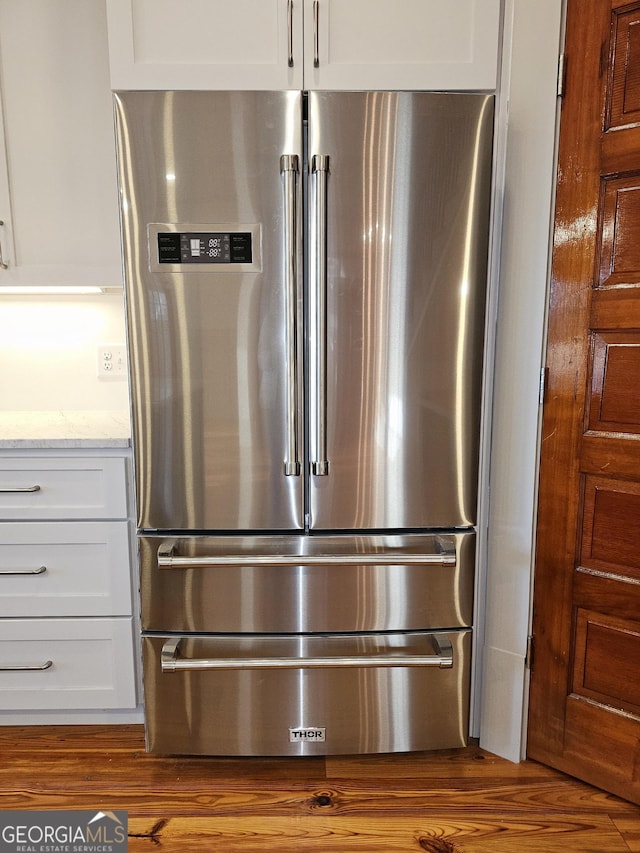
{"x":620,"y":252}
{"x":615,"y":367}
{"x":209,"y":343}
{"x":407,"y":211}
{"x":607,"y":660}
{"x":585,"y":687}
{"x":623,"y":97}
{"x":610,"y":536}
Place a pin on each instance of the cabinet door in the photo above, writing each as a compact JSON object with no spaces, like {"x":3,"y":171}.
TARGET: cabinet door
{"x":205,"y":44}
{"x":401,"y":44}
{"x":58,"y":199}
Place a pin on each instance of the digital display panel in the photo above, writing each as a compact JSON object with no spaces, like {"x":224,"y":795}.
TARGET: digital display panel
{"x":206,"y":247}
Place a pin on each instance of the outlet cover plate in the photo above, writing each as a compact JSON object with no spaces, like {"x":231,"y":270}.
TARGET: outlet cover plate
{"x":112,"y":362}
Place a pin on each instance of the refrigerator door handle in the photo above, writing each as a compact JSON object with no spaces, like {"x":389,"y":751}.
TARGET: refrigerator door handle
{"x":320,"y":463}
{"x":169,"y":558}
{"x":442,"y":658}
{"x":289,"y":171}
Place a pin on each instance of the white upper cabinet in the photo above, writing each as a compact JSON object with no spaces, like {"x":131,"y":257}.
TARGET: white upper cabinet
{"x":401,"y":44}
{"x":58,"y":197}
{"x":205,"y":44}
{"x":311,"y":44}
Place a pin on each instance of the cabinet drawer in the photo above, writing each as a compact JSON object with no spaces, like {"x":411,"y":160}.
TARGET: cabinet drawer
{"x":49,"y":664}
{"x":65,"y":569}
{"x":59,"y":488}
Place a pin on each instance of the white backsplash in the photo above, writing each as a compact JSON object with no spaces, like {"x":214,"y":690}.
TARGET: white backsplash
{"x":48,"y":347}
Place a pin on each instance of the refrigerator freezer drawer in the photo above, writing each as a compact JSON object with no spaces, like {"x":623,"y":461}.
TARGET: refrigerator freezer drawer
{"x":314,"y":695}
{"x":295,"y":584}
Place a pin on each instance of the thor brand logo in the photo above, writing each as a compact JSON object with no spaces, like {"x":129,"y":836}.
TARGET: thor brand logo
{"x":309,"y":734}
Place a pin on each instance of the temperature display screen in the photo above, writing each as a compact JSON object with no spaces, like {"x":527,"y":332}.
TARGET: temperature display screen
{"x":204,"y":248}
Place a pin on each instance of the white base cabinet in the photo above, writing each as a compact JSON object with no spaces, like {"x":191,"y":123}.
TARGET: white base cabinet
{"x":67,"y":635}
{"x":310,"y":44}
{"x":59,"y":664}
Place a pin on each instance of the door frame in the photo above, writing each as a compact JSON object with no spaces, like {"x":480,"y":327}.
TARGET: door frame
{"x":526,"y":149}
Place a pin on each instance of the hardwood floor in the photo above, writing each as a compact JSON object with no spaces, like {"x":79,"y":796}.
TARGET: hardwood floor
{"x":465,"y":801}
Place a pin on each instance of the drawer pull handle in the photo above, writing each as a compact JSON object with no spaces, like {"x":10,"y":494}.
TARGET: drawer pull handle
{"x":290,"y":33}
{"x":15,"y":490}
{"x":3,"y":265}
{"x":170,"y":662}
{"x":38,"y":667}
{"x":316,"y":40}
{"x":39,"y":571}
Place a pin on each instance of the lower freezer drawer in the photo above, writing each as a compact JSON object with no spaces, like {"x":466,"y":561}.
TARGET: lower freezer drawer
{"x":306,"y":695}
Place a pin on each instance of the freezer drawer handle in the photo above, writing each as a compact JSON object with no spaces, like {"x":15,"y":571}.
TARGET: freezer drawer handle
{"x":289,"y":171}
{"x":171,"y":662}
{"x":39,"y":571}
{"x":320,"y":463}
{"x":38,"y":667}
{"x":15,"y":490}
{"x":168,"y":559}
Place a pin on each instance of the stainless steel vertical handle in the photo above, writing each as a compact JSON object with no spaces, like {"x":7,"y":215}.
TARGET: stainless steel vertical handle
{"x":320,"y":171}
{"x":3,"y":266}
{"x":316,"y":36}
{"x":290,"y":32}
{"x":289,"y":167}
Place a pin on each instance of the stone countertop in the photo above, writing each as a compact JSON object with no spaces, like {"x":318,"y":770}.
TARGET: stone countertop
{"x":64,"y":429}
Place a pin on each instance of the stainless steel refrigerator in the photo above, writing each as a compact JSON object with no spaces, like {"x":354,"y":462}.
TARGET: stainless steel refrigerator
{"x":305,"y":292}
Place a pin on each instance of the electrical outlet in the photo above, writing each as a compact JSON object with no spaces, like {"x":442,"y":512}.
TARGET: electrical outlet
{"x":112,"y":361}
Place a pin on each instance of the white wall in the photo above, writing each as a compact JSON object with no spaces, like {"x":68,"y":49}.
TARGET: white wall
{"x":48,"y":355}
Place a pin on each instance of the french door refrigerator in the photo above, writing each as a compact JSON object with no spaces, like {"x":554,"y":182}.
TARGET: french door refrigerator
{"x":305,"y":293}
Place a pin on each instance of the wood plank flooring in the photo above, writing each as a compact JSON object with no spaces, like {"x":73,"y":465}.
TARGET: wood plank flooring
{"x":464,"y":801}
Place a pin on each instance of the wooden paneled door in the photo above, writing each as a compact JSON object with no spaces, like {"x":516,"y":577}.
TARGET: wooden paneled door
{"x":585,"y":684}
